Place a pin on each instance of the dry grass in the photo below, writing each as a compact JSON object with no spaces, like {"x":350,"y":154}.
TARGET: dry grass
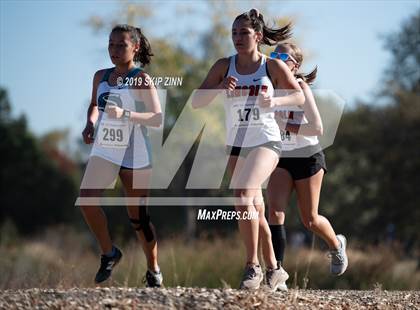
{"x":63,"y":258}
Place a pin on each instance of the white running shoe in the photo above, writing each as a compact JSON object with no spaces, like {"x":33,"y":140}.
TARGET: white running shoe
{"x":276,"y":279}
{"x":339,"y":260}
{"x":252,"y":277}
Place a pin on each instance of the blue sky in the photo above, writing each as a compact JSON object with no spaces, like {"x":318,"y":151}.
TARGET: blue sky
{"x":48,"y":56}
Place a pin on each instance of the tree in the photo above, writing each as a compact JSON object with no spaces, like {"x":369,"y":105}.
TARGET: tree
{"x":403,"y":74}
{"x":33,"y":191}
{"x":376,"y":158}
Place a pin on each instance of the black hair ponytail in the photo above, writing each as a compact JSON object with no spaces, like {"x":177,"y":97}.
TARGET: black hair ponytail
{"x":144,"y":54}
{"x":271,"y":36}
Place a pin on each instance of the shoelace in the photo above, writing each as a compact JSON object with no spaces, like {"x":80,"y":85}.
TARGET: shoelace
{"x":336,"y":257}
{"x":250,"y":273}
{"x":273,"y":270}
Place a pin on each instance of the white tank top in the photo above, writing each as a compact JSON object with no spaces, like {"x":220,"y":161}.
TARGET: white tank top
{"x":119,"y":140}
{"x":289,"y":140}
{"x":247,"y":124}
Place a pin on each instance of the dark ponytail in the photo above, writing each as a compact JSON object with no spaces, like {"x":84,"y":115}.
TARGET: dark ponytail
{"x":144,"y":54}
{"x":308,"y":78}
{"x":271,"y":36}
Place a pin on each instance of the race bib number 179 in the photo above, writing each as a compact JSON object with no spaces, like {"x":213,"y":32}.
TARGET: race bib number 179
{"x":245,"y":115}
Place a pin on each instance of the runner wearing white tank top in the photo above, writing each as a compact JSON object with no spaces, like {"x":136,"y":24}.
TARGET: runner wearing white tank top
{"x":120,"y":147}
{"x":120,"y":141}
{"x":250,"y":126}
{"x":295,"y":116}
{"x":301,"y":169}
{"x":247,"y":123}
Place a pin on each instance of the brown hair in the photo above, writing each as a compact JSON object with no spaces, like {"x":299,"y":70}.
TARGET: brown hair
{"x":144,"y":54}
{"x":271,"y":36}
{"x":298,"y":55}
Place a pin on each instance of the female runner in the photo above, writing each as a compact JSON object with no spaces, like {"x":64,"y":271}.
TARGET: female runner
{"x":121,"y":146}
{"x":253,"y":138}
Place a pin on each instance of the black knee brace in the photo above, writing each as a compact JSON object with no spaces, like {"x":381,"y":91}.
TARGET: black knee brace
{"x":143,"y":223}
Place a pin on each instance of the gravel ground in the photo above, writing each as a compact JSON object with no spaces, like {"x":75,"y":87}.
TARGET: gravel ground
{"x":201,"y":298}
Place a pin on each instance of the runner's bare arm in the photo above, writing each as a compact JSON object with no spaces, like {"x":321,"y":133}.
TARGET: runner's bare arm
{"x":148,"y":94}
{"x":314,"y":126}
{"x":214,"y":80}
{"x":92,"y":112}
{"x":283,"y":79}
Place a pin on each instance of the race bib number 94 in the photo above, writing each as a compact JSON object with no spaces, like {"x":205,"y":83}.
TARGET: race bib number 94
{"x":114,"y":134}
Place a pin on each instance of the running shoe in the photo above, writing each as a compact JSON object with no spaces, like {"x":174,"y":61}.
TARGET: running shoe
{"x":276,"y":279}
{"x":153,"y":279}
{"x":252,"y":277}
{"x":107,"y":264}
{"x":339,"y":260}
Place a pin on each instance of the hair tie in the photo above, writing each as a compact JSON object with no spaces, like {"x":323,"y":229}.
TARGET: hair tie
{"x":255,"y":11}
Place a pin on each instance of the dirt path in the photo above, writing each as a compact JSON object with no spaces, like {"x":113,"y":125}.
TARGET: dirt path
{"x":200,"y":298}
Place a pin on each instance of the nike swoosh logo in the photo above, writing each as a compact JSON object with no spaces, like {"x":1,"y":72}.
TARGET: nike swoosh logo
{"x":256,"y":79}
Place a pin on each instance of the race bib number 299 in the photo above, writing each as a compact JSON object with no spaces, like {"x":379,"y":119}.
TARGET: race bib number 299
{"x":114,"y":134}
